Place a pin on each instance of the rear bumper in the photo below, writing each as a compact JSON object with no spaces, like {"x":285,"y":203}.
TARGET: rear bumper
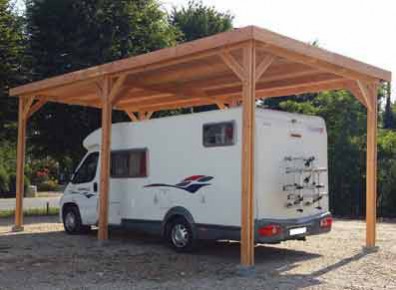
{"x":311,"y":224}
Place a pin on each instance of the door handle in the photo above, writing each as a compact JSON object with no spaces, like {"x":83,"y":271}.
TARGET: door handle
{"x":95,"y":187}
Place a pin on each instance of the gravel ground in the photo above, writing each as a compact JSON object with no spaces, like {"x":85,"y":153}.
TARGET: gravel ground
{"x":44,"y":257}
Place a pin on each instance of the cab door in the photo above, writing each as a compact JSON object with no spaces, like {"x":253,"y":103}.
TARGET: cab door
{"x":84,"y":188}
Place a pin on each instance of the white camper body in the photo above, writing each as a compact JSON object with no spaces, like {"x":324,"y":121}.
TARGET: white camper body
{"x":189,"y":166}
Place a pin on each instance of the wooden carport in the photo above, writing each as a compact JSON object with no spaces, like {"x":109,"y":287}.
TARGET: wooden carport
{"x":227,"y":69}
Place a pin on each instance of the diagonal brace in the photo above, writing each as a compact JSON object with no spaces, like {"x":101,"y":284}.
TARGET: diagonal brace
{"x":230,"y":61}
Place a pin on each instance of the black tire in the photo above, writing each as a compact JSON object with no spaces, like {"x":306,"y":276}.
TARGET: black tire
{"x":180,"y":236}
{"x":72,"y":221}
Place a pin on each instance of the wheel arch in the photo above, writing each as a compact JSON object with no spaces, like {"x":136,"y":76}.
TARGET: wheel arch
{"x":178,"y":212}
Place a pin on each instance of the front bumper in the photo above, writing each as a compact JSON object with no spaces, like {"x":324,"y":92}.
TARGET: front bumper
{"x":311,"y":223}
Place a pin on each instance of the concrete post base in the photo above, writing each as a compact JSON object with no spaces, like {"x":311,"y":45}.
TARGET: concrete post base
{"x":17,"y":229}
{"x":246,"y":271}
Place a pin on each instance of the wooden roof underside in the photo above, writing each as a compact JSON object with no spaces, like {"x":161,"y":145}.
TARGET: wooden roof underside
{"x":197,"y":73}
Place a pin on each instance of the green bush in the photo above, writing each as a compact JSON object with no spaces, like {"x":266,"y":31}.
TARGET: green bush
{"x":12,"y":184}
{"x":4,"y":180}
{"x":48,"y":185}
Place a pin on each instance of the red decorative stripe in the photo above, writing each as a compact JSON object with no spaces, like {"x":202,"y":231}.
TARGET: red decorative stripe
{"x":193,"y":177}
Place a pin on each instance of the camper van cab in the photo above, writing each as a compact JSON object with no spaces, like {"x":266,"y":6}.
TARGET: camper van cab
{"x":180,"y":177}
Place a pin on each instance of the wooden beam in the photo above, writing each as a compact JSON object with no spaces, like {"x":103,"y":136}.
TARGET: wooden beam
{"x":105,"y":160}
{"x":353,"y":88}
{"x":132,"y":116}
{"x":142,"y":116}
{"x":147,"y":105}
{"x":35,"y":107}
{"x":121,"y":95}
{"x":99,"y":88}
{"x":371,"y":168}
{"x":263,"y":66}
{"x":186,"y":72}
{"x":365,"y":93}
{"x":181,"y":103}
{"x":233,"y":103}
{"x":116,"y":88}
{"x":221,"y":105}
{"x":226,"y":96}
{"x":20,"y":172}
{"x":132,"y":101}
{"x":274,"y":43}
{"x":303,"y":89}
{"x":296,"y":83}
{"x":27,"y":105}
{"x":247,"y":198}
{"x":230,"y":61}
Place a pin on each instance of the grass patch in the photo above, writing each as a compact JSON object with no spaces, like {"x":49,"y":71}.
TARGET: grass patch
{"x":31,"y":212}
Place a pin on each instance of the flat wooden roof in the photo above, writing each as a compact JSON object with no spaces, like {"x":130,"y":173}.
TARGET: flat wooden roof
{"x":198,"y":73}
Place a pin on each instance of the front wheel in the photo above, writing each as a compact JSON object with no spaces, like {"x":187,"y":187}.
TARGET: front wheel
{"x":180,"y":235}
{"x":72,"y":221}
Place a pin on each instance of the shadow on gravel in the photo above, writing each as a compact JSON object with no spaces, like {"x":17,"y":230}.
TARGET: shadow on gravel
{"x":132,"y":257}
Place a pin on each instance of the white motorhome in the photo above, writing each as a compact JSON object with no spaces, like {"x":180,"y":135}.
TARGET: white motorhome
{"x":180,"y":177}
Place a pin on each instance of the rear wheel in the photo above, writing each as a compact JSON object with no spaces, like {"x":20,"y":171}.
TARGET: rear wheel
{"x":180,"y":235}
{"x":72,"y":221}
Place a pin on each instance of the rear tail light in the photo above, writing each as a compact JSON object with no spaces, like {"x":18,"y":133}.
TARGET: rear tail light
{"x":269,"y":231}
{"x":326,"y":222}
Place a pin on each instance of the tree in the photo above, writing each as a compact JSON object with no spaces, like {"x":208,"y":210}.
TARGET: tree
{"x":67,"y":35}
{"x":197,"y":21}
{"x":388,"y":116}
{"x":12,"y":44}
{"x":387,"y":173}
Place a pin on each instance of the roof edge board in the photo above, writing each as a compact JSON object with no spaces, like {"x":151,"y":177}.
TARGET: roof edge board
{"x":123,"y":65}
{"x":304,"y":49}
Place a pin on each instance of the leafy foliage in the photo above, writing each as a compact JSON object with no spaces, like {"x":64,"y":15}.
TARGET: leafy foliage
{"x":67,"y":35}
{"x":8,"y":169}
{"x":12,"y":43}
{"x":389,"y":118}
{"x":387,"y":173}
{"x":197,"y":20}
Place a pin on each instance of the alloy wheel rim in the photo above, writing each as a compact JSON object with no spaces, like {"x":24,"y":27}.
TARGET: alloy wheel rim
{"x":180,"y":236}
{"x":70,"y":221}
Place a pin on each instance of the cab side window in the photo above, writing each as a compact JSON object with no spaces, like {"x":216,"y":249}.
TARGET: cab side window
{"x":87,"y":170}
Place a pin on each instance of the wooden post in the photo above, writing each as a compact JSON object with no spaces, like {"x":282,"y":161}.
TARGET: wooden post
{"x":105,"y":160}
{"x":247,"y":198}
{"x":20,"y":172}
{"x":371,"y":170}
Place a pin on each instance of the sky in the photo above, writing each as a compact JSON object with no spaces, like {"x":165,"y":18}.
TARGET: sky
{"x":361,"y":29}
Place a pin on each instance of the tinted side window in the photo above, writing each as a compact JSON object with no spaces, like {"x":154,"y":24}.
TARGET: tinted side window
{"x":87,"y":170}
{"x":218,"y":134}
{"x":128,"y":164}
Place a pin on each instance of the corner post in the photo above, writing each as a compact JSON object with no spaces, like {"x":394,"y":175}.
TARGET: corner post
{"x":20,"y":170}
{"x":247,"y":193}
{"x":105,"y":159}
{"x":371,"y":170}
